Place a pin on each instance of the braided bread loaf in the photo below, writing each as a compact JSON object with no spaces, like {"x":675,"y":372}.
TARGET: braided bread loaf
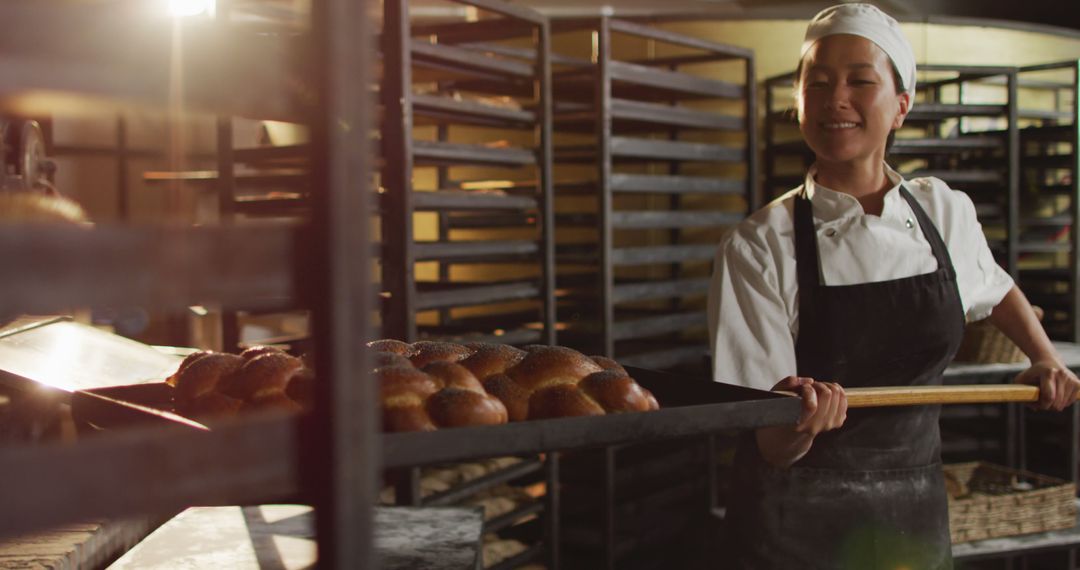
{"x":211,"y":384}
{"x":426,"y":384}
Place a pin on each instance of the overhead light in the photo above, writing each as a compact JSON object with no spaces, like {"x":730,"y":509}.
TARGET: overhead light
{"x":185,"y":8}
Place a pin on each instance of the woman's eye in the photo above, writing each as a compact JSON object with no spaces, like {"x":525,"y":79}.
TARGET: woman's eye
{"x":859,"y":81}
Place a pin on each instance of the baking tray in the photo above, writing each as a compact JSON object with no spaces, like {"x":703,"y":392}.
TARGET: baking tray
{"x":689,"y":406}
{"x":58,"y":353}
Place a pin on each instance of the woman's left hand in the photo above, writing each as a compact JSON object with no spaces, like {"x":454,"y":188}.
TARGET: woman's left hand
{"x":1058,"y":386}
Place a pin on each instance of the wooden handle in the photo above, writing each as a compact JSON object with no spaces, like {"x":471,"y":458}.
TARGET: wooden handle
{"x":921,"y":395}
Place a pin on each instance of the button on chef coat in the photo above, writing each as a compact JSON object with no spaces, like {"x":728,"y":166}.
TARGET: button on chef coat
{"x":753,"y":307}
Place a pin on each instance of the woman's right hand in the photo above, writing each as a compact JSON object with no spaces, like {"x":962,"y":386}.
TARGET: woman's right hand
{"x":824,"y":407}
{"x":824,"y":404}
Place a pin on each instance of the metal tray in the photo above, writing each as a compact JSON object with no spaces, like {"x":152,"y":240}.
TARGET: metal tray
{"x":689,"y":407}
{"x":58,"y":353}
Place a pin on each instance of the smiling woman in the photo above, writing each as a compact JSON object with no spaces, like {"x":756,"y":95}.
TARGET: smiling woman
{"x":857,"y":278}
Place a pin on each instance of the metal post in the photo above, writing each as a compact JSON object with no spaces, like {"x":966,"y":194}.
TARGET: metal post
{"x":753,"y":200}
{"x":609,"y":508}
{"x":551,"y":509}
{"x":398,"y":263}
{"x":1074,"y":205}
{"x":123,"y":189}
{"x":341,"y":460}
{"x":442,"y":179}
{"x":1012,"y":205}
{"x":1011,"y":428}
{"x":226,"y":189}
{"x":603,"y":184}
{"x":546,"y":185}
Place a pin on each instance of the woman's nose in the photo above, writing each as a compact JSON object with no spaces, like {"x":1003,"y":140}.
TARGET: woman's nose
{"x":839,"y":97}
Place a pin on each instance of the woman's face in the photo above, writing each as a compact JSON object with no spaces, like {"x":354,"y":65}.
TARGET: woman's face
{"x":847,"y":99}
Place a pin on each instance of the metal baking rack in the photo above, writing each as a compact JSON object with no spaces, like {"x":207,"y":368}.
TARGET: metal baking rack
{"x":660,"y":165}
{"x":1048,"y":190}
{"x":123,"y":53}
{"x":453,"y":149}
{"x":467,"y":134}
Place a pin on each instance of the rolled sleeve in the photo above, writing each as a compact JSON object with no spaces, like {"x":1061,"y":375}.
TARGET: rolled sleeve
{"x":982,"y":282}
{"x":749,"y":324}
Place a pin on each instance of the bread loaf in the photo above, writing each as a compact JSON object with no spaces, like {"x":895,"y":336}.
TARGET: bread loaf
{"x":427,"y":385}
{"x":213,"y":384}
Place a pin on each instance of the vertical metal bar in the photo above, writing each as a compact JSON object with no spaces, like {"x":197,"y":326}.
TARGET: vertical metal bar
{"x":1074,"y":206}
{"x":1073,"y":456}
{"x":398,"y":264}
{"x":770,"y":141}
{"x":609,"y":508}
{"x":123,"y":167}
{"x":753,"y":199}
{"x":226,"y":181}
{"x":712,"y":471}
{"x":341,"y":463}
{"x":1011,"y":427}
{"x":226,"y":189}
{"x":407,"y":487}
{"x":674,"y":204}
{"x":230,"y":330}
{"x":551,"y":509}
{"x":442,"y":179}
{"x":1012,"y":206}
{"x":602,"y":103}
{"x":1021,"y":437}
{"x":546,"y":184}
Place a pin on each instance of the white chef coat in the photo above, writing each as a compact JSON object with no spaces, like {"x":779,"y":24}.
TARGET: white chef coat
{"x":753,"y":306}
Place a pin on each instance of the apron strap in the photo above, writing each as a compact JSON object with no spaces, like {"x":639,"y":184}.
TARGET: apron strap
{"x":806,"y":250}
{"x":930,"y":232}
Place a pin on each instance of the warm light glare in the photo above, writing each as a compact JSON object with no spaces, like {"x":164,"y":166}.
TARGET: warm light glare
{"x":487,"y":184}
{"x":182,"y":8}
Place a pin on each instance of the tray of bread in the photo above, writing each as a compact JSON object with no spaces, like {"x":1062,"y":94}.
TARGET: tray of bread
{"x":443,"y":401}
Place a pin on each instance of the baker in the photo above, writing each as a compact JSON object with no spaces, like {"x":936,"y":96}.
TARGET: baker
{"x":856,"y":278}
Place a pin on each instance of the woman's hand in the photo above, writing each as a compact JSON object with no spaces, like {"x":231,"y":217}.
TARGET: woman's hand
{"x":824,"y":408}
{"x":1058,"y":386}
{"x":824,"y":404}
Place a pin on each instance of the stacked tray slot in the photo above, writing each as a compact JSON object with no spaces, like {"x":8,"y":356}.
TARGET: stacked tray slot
{"x":652,"y":167}
{"x":451,"y":143}
{"x":1048,"y":194}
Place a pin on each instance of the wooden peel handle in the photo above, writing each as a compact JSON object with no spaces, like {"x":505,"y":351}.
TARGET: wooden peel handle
{"x":921,"y":395}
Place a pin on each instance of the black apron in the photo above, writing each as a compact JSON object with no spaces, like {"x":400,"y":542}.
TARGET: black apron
{"x":870,"y":494}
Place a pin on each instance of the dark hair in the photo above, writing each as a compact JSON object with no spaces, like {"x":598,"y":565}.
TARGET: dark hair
{"x":897,"y":80}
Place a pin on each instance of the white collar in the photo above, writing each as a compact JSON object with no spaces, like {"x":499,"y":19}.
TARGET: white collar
{"x":831,"y":205}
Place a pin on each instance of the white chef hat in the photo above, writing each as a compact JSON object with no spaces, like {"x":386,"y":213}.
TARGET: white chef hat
{"x":867,"y":21}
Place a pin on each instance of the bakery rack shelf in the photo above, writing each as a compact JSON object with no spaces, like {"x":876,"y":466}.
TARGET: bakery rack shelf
{"x":665,"y":131}
{"x":437,"y":295}
{"x":123,"y":52}
{"x":1048,"y":204}
{"x":458,"y":120}
{"x":442,"y":79}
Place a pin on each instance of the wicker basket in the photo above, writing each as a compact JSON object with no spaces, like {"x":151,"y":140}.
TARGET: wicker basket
{"x":987,"y":501}
{"x":983,"y":343}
